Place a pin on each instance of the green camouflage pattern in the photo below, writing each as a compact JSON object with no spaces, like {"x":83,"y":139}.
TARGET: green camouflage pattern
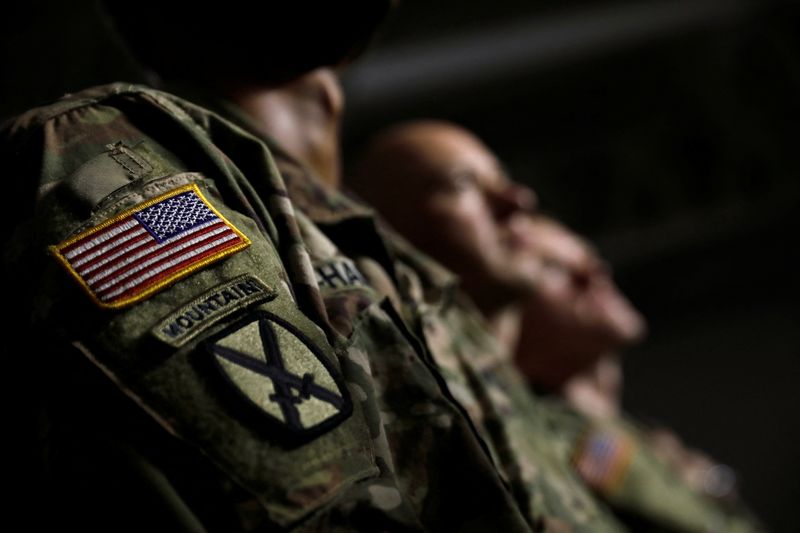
{"x":481,"y":375}
{"x":124,"y":417}
{"x":517,"y":427}
{"x":476,"y":370}
{"x":650,"y":495}
{"x":405,"y":379}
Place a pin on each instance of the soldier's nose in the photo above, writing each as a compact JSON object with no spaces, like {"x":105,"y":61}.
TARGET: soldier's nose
{"x":513,"y":198}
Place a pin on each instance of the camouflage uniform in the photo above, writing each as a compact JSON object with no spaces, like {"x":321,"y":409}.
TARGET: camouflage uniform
{"x":476,"y":369}
{"x":533,"y":441}
{"x":480,"y":374}
{"x":216,"y":390}
{"x":614,"y":457}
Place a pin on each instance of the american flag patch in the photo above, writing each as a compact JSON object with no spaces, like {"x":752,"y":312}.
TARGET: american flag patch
{"x":131,"y":256}
{"x":602,"y":458}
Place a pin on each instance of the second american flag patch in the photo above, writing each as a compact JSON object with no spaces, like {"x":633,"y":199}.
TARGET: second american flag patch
{"x":142,"y":250}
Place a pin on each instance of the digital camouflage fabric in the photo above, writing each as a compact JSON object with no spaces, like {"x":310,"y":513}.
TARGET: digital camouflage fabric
{"x":230,"y":394}
{"x":481,"y":375}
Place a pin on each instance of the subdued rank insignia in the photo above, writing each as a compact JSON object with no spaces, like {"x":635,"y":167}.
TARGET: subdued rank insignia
{"x":280,"y":371}
{"x":136,"y":253}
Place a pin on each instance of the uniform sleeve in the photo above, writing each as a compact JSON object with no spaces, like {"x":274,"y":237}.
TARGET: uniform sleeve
{"x":175,"y":380}
{"x":184,"y":374}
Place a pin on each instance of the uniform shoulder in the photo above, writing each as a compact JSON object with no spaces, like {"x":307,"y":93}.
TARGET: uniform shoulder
{"x":49,"y":144}
{"x":105,"y":102}
{"x":39,"y":115}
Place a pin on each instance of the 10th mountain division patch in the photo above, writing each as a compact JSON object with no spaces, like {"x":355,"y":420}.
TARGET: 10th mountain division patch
{"x":282,"y":373}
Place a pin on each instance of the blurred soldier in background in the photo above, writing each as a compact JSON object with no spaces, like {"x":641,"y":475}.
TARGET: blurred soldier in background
{"x":574,"y":327}
{"x":572,"y":331}
{"x":551,"y":300}
{"x":448,"y":194}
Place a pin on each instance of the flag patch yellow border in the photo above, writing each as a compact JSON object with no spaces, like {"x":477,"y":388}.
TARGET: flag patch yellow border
{"x":138,"y":252}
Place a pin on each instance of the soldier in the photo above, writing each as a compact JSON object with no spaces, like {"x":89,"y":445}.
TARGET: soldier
{"x":578,"y":323}
{"x":575,"y":318}
{"x":222,"y":353}
{"x":459,"y":189}
{"x":476,"y":368}
{"x":299,"y":120}
{"x":191,"y":378}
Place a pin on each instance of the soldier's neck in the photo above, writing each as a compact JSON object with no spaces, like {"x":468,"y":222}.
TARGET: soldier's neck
{"x":506,"y":323}
{"x":299,"y":123}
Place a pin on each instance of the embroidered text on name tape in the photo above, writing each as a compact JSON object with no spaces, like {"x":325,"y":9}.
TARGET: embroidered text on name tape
{"x":133,"y":255}
{"x":194,"y":317}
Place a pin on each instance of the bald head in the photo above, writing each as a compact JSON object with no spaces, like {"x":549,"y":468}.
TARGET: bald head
{"x":442,"y":188}
{"x":415,"y":158}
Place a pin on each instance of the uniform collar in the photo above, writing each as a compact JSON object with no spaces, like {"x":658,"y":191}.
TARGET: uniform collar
{"x":357,"y":227}
{"x":432,"y":283}
{"x":319,"y":202}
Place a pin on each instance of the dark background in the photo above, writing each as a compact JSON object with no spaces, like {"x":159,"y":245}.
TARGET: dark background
{"x":664,"y":130}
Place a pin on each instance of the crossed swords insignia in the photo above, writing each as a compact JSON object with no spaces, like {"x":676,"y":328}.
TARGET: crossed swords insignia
{"x":291,"y":390}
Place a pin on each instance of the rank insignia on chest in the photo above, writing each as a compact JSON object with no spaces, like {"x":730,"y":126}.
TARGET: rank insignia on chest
{"x":138,"y":252}
{"x":282,"y":373}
